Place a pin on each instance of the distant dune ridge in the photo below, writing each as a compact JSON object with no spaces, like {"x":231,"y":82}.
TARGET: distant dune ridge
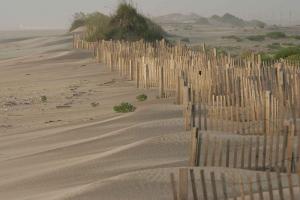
{"x":225,"y":20}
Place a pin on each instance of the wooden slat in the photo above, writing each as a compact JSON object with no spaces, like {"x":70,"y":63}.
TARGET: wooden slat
{"x":203,"y":184}
{"x":213,"y":185}
{"x":270,"y":187}
{"x":280,"y":188}
{"x":224,"y":186}
{"x":183,"y":184}
{"x":194,"y":187}
{"x":174,"y":187}
{"x":260,"y":188}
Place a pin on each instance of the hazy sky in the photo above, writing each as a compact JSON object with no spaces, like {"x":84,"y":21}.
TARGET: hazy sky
{"x":58,"y":13}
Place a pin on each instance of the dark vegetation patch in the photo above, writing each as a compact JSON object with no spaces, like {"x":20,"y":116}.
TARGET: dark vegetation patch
{"x":256,"y":38}
{"x":297,"y":37}
{"x":274,"y":45}
{"x":276,"y":35}
{"x":186,"y":40}
{"x":142,"y":97}
{"x":232,"y":37}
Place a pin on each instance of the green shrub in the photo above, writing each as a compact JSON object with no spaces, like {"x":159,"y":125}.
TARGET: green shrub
{"x":124,"y":108}
{"x":276,"y":35}
{"x":266,"y":56}
{"x":288,"y":44}
{"x":142,"y":97}
{"x":256,"y":38}
{"x":44,"y":99}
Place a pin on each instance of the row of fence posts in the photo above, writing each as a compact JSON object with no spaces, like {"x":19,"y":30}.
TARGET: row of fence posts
{"x":227,"y":185}
{"x":254,"y":101}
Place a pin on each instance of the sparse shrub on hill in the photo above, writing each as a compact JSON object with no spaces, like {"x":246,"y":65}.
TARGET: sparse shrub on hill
{"x":97,"y":25}
{"x":125,"y":24}
{"x":276,"y":35}
{"x":78,"y":21}
{"x":256,"y":38}
{"x":274,"y":46}
{"x":187,"y":40}
{"x":128,"y":24}
{"x":232,"y":37}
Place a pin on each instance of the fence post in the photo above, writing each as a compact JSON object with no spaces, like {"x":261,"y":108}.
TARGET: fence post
{"x":279,"y":184}
{"x":270,"y":187}
{"x":224,"y":186}
{"x":203,"y":183}
{"x":213,"y":184}
{"x":146,"y":76}
{"x":183,"y":184}
{"x":137,"y":76}
{"x":130,"y":70}
{"x":195,"y":151}
{"x":161,"y":83}
{"x":194,"y":187}
{"x":260,"y":189}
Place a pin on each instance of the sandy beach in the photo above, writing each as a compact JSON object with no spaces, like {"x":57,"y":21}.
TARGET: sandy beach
{"x":60,"y":138}
{"x":73,"y":146}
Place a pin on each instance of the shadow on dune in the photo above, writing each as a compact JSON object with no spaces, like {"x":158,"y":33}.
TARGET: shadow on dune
{"x":58,"y":42}
{"x":16,"y":39}
{"x":72,"y":55}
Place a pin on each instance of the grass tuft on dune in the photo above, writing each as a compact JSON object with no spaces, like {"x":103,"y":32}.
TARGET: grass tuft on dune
{"x":125,"y":24}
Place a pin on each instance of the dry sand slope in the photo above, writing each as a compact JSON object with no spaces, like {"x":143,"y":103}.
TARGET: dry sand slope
{"x":66,"y":148}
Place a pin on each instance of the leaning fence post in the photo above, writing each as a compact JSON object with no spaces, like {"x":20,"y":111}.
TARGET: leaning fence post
{"x":291,"y":188}
{"x":194,"y":147}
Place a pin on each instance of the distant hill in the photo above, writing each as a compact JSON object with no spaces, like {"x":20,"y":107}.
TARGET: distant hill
{"x":225,"y":20}
{"x":177,"y":18}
